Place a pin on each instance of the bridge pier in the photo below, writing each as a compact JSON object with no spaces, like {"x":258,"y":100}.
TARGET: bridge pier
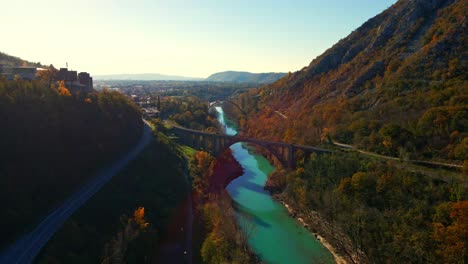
{"x":193,"y":140}
{"x":205,"y":143}
{"x":186,"y":139}
{"x":290,"y":158}
{"x":224,"y":144}
{"x":197,"y":142}
{"x":216,"y":144}
{"x":200,"y":141}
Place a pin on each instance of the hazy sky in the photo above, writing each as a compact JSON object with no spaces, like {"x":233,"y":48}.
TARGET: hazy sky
{"x":179,"y":37}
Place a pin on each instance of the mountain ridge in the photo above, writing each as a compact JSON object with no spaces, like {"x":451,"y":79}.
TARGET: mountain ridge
{"x":402,"y":68}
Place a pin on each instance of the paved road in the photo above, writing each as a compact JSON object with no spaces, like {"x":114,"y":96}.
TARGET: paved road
{"x":398,"y":159}
{"x":281,"y":114}
{"x":25,"y":249}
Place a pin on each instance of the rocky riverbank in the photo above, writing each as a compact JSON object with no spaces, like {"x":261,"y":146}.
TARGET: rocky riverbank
{"x":225,"y":170}
{"x":332,"y":238}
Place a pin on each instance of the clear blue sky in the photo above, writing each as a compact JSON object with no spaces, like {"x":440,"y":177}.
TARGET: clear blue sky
{"x":180,"y":37}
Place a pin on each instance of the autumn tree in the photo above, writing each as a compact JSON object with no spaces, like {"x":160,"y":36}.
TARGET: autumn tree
{"x":62,"y":90}
{"x":139,"y":218}
{"x":453,"y":239}
{"x":116,"y":249}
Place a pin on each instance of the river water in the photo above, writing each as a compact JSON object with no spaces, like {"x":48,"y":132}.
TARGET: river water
{"x":272,"y":234}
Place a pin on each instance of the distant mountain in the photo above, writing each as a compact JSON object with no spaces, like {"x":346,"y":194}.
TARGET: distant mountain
{"x":397,"y":84}
{"x":145,"y":77}
{"x":228,"y":76}
{"x":245,"y":77}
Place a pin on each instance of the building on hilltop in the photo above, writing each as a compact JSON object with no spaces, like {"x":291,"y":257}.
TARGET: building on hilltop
{"x":23,"y":72}
{"x":61,"y":75}
{"x":69,"y":77}
{"x":75,"y":82}
{"x":5,"y":71}
{"x":85,"y":79}
{"x":72,"y":76}
{"x":26,"y":73}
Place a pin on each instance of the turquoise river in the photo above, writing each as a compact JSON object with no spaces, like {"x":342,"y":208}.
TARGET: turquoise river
{"x":272,"y":234}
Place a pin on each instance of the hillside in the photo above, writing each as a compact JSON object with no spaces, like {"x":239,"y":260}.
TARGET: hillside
{"x":245,"y":77}
{"x":52,"y":142}
{"x":145,"y":77}
{"x":15,"y":61}
{"x":397,"y":85}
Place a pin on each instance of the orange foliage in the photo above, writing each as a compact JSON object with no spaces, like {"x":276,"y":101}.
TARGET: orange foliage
{"x":139,"y":217}
{"x":62,"y":90}
{"x":203,"y":171}
{"x":370,"y":87}
{"x":203,"y":160}
{"x":453,"y":239}
{"x":326,"y":132}
{"x":345,"y":185}
{"x":460,"y":214}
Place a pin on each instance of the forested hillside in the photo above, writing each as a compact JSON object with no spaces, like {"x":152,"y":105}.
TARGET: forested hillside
{"x":127,"y":219}
{"x":378,"y":211}
{"x":15,"y":61}
{"x":51,"y":142}
{"x":397,"y":85}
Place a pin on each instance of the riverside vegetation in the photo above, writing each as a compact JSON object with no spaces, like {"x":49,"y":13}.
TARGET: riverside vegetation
{"x":374,"y":208}
{"x":127,"y":220}
{"x":219,"y":239}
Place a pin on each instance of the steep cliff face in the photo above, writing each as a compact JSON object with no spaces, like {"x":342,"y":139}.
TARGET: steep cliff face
{"x":394,"y":68}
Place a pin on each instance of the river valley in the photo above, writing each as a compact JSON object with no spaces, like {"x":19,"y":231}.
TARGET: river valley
{"x":273,"y":235}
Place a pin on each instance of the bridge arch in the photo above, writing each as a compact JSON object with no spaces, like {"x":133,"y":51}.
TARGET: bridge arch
{"x":278,"y":155}
{"x":218,"y":102}
{"x":274,"y":154}
{"x":217,"y":143}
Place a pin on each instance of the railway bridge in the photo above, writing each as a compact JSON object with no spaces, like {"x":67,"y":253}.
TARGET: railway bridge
{"x":217,"y":143}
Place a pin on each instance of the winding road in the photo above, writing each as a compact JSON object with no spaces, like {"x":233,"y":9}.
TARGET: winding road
{"x":442,"y":164}
{"x":25,"y":249}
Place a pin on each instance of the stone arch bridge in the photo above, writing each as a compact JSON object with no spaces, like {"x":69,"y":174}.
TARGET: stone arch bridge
{"x":217,"y":143}
{"x":220,"y":102}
